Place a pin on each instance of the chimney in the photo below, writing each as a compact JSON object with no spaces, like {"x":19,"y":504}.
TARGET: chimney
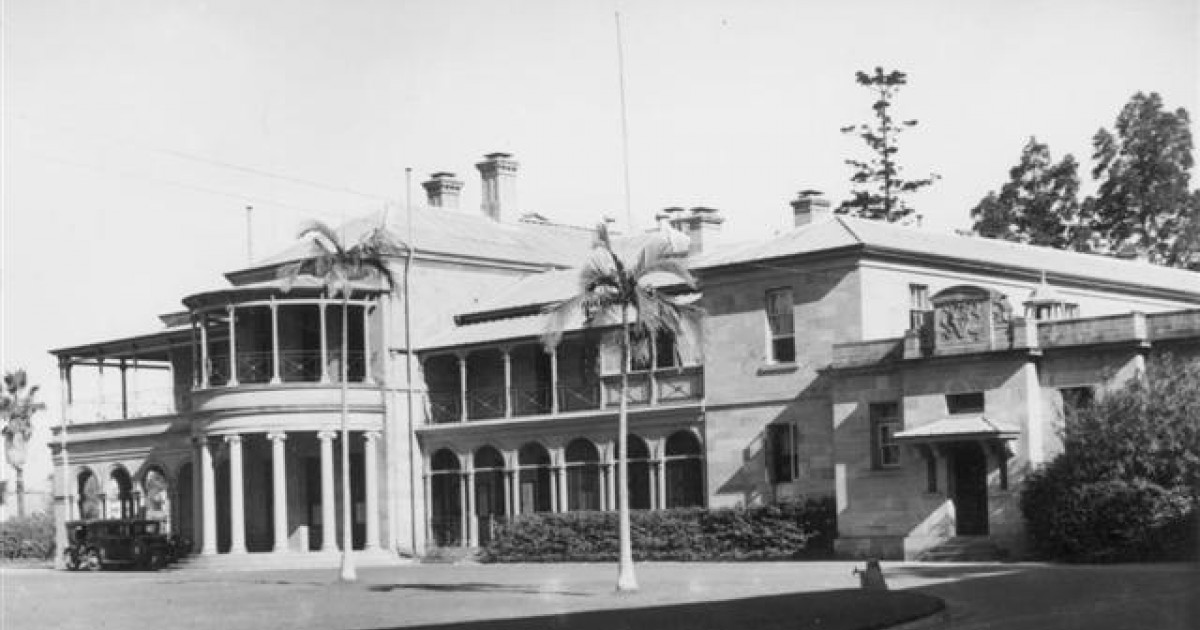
{"x":810,"y":206}
{"x":443,"y":190}
{"x":701,"y":225}
{"x":499,"y":172}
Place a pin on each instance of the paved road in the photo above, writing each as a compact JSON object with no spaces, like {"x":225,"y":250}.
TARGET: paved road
{"x":978,"y":596}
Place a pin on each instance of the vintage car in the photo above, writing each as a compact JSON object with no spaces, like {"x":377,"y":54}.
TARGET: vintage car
{"x":96,"y":544}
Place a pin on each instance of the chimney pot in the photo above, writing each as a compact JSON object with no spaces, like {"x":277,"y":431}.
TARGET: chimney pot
{"x":443,"y":190}
{"x":499,"y":173}
{"x":810,"y":206}
{"x":701,"y":225}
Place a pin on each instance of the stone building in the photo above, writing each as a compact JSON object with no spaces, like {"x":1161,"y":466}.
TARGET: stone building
{"x":914,"y":376}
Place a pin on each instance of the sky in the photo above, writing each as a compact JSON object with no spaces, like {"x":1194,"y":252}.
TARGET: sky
{"x":134,"y":133}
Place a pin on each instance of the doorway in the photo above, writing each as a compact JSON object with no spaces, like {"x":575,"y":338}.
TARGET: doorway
{"x":968,"y":488}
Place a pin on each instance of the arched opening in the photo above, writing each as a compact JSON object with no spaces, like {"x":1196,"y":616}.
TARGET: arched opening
{"x":533,"y":461}
{"x":639,"y":474}
{"x":445,"y":481}
{"x":489,"y":490}
{"x":90,"y":496}
{"x":120,"y":494}
{"x":157,"y":497}
{"x":685,"y":471}
{"x":583,"y":476}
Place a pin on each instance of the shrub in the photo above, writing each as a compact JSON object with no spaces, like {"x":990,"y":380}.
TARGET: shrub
{"x":1125,"y":486}
{"x":29,"y":537}
{"x":777,"y":532}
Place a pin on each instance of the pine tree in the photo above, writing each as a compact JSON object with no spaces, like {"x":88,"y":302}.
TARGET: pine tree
{"x":879,"y":186}
{"x":1038,"y":205}
{"x":1142,"y":204}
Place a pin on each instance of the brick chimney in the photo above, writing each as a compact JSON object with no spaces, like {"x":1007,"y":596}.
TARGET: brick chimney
{"x":810,"y":206}
{"x":499,"y":173}
{"x":443,"y":190}
{"x":701,"y":225}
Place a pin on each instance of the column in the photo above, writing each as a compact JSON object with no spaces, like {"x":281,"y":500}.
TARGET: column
{"x":237,"y":501}
{"x":464,"y":531}
{"x":197,"y":498}
{"x":553,"y":489}
{"x":279,"y":488}
{"x":205,"y":371}
{"x":554,"y":380}
{"x":275,"y":379}
{"x":233,"y":380}
{"x":328,"y":500}
{"x":324,"y":343}
{"x":372,"y":489}
{"x":661,"y":478}
{"x":472,"y":521}
{"x":516,"y":491}
{"x":563,"y":503}
{"x":124,"y":390}
{"x":508,"y":493}
{"x":506,"y":356}
{"x":208,"y":489}
{"x":366,"y":344}
{"x":610,"y":475}
{"x":462,"y":386}
{"x":428,"y":500}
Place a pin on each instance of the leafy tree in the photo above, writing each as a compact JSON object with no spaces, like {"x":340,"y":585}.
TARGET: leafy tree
{"x":17,"y":406}
{"x":1127,"y":484}
{"x":1143,"y":164}
{"x":339,"y":266}
{"x":614,"y":288}
{"x":880,"y":188}
{"x":1038,"y":204}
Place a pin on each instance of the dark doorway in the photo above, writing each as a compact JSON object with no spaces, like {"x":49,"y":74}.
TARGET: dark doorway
{"x":968,"y":488}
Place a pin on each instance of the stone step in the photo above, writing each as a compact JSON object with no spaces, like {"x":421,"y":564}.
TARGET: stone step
{"x":288,"y":560}
{"x":964,"y":549}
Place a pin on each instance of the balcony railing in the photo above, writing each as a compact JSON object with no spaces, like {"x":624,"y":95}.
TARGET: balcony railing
{"x":141,"y":403}
{"x":668,"y":386}
{"x":295,"y":366}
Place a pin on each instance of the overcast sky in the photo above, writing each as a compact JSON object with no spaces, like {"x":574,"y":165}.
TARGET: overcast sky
{"x":136,"y":131}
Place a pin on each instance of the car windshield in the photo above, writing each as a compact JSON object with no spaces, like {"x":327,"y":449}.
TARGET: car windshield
{"x":146,"y":528}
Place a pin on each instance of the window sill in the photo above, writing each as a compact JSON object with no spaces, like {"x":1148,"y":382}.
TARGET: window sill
{"x":778,"y":368}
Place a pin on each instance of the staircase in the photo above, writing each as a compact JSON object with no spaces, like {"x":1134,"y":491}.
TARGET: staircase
{"x":964,"y":549}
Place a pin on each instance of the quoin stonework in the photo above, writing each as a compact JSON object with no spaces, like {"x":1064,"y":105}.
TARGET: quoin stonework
{"x":916,"y":377}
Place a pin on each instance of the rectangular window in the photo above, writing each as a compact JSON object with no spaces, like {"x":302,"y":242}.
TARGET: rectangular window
{"x":918,"y":297}
{"x":1071,"y":311}
{"x":964,"y":403}
{"x":782,"y":326}
{"x":664,"y":350}
{"x":885,"y":422}
{"x":782,"y":443}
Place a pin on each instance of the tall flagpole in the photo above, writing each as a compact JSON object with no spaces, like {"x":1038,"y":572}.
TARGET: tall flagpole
{"x":624,"y":125}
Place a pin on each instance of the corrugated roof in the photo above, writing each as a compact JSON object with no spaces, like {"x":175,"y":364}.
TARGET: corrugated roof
{"x":844,"y":231}
{"x":957,"y":428}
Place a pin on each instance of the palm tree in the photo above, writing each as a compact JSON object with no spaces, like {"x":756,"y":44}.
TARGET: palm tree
{"x":17,"y":407}
{"x":338,"y":267}
{"x":611,"y":288}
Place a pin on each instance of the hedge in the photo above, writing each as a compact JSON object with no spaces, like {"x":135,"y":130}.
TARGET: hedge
{"x":777,"y":532}
{"x":30,"y":537}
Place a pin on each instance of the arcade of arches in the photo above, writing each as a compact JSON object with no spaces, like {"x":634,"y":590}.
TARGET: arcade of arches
{"x":468,"y":493}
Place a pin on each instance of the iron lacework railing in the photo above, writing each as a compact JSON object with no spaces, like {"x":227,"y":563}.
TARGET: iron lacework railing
{"x":295,"y":366}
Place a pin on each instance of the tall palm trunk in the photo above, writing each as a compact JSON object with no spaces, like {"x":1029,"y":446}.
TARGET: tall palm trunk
{"x":626,"y":580}
{"x":21,"y":492}
{"x":348,"y":573}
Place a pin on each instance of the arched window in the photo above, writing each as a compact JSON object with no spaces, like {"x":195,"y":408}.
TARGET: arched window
{"x":639,"y":474}
{"x":158,"y":497}
{"x":120,"y":491}
{"x":533,"y":461}
{"x":91,"y":497}
{"x":489,"y":490}
{"x":445,"y":500}
{"x":583,"y":476}
{"x":685,"y":471}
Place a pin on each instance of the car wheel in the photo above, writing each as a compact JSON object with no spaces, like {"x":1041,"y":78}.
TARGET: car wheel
{"x":92,"y":560}
{"x":71,"y":560}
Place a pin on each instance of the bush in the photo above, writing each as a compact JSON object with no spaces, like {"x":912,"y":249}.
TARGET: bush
{"x":27,"y":538}
{"x":1125,"y":486}
{"x":776,"y":532}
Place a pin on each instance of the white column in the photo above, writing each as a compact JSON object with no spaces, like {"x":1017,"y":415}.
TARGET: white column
{"x":506,"y":357}
{"x":554,"y":489}
{"x":554,"y":380}
{"x":464,"y":528}
{"x":516,"y":492}
{"x":462,"y":386}
{"x":205,"y":372}
{"x":610,"y":489}
{"x":328,"y":500}
{"x":275,"y":342}
{"x":473,"y":521}
{"x":508,"y":493}
{"x":197,"y":500}
{"x":1034,"y":428}
{"x":208,"y":490}
{"x":124,"y":390}
{"x":662,"y":484}
{"x":428,"y":499}
{"x":372,"y":489}
{"x":233,"y":380}
{"x":279,"y":488}
{"x":564,"y":505}
{"x":324,"y":344}
{"x":366,"y":319}
{"x":237,"y":500}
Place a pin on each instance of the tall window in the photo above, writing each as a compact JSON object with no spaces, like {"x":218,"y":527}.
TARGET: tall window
{"x":918,"y":297}
{"x":784,"y":459}
{"x":782,"y":326}
{"x":885,"y":422}
{"x":958,"y":404}
{"x":664,"y":349}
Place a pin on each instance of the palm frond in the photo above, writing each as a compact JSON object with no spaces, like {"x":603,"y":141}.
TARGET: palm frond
{"x":288,"y":274}
{"x":322,"y":234}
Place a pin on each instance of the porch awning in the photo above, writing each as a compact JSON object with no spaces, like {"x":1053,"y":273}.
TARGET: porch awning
{"x":957,"y":430}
